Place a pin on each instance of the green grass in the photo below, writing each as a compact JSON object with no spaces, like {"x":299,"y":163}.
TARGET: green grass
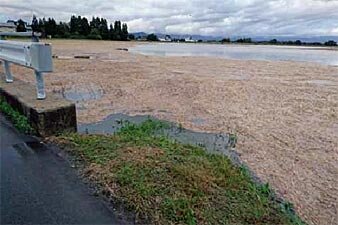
{"x":18,"y":120}
{"x":166,"y":182}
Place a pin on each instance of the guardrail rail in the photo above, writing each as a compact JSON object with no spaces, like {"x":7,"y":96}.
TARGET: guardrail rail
{"x":33,"y":55}
{"x":34,"y":35}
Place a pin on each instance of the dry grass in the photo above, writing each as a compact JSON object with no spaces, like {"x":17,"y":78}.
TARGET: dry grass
{"x":285,"y":113}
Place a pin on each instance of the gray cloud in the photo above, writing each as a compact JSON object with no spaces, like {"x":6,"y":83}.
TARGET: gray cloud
{"x":216,"y":17}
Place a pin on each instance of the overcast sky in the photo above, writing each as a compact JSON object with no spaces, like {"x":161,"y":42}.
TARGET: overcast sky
{"x":205,"y":17}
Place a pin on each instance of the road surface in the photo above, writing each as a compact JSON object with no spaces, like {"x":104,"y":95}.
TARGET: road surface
{"x":38,"y":187}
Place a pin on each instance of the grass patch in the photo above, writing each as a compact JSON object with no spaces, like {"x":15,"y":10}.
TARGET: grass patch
{"x":18,"y":120}
{"x":166,"y":182}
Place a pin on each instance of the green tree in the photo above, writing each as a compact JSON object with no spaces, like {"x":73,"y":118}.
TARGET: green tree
{"x":35,"y":24}
{"x":111,"y":32}
{"x":330,"y":43}
{"x":225,"y":40}
{"x":50,"y":27}
{"x":73,"y":24}
{"x":117,"y":30}
{"x":62,"y":30}
{"x":84,"y":28}
{"x":95,"y":34}
{"x":152,"y":37}
{"x":124,"y":32}
{"x":244,"y":40}
{"x":80,"y":27}
{"x":131,"y":37}
{"x":95,"y":23}
{"x":298,"y":42}
{"x":103,"y":28}
{"x":21,"y":27}
{"x":273,"y":41}
{"x":41,"y":26}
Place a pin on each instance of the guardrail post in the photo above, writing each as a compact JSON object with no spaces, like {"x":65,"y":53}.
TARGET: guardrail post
{"x":34,"y":37}
{"x":40,"y":85}
{"x":9,"y":77}
{"x":33,"y":55}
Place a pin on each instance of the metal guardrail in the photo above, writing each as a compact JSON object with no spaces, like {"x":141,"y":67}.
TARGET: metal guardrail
{"x":20,"y":34}
{"x":34,"y":35}
{"x":34,"y":55}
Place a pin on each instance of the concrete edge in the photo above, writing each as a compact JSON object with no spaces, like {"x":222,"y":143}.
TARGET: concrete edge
{"x":55,"y":119}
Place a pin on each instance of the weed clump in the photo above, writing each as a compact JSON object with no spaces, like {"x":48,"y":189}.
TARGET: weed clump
{"x":19,"y":121}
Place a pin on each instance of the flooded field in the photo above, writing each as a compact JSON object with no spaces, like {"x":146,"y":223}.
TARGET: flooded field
{"x":284,"y":113}
{"x":247,"y":52}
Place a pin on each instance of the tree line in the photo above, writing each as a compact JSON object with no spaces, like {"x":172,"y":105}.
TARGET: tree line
{"x":79,"y":28}
{"x":276,"y":42}
{"x":153,"y":37}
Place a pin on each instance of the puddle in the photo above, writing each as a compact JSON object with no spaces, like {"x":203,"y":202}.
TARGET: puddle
{"x":35,"y":145}
{"x":78,"y":94}
{"x":215,"y":143}
{"x":199,"y":121}
{"x":82,"y":96}
{"x":29,"y":148}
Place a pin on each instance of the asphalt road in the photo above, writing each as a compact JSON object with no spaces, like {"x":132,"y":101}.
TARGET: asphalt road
{"x":38,"y":187}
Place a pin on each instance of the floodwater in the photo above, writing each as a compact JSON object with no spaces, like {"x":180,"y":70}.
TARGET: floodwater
{"x":213,"y":142}
{"x":79,"y":95}
{"x":320,"y":55}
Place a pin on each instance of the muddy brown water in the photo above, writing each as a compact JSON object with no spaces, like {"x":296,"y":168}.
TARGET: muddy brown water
{"x":212,"y":142}
{"x":283,"y":112}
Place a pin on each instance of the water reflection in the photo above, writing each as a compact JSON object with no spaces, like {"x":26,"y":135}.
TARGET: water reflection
{"x":248,"y":52}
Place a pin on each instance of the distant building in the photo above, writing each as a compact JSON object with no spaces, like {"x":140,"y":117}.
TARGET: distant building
{"x":190,"y":40}
{"x":167,"y":38}
{"x":10,"y":26}
{"x":141,"y":38}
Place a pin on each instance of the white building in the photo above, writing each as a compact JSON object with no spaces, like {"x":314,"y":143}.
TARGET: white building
{"x":190,"y":40}
{"x":167,"y":38}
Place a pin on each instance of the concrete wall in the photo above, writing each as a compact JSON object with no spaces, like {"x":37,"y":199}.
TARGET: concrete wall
{"x":50,"y":116}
